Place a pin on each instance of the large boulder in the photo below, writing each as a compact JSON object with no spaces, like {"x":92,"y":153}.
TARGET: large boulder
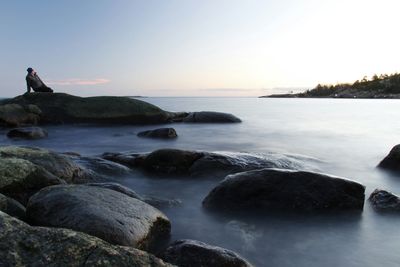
{"x":59,"y":165}
{"x":20,"y":179}
{"x":27,"y":133}
{"x":163,"y":133}
{"x":192,"y":253}
{"x":12,"y":207}
{"x":107,"y":214}
{"x":15,"y":115}
{"x":211,"y":117}
{"x":24,"y":245}
{"x":200,"y":163}
{"x":392,"y":160}
{"x":383,"y":200}
{"x":64,"y":108}
{"x":276,"y":189}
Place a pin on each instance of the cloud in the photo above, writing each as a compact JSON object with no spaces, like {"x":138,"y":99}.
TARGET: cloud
{"x":78,"y":81}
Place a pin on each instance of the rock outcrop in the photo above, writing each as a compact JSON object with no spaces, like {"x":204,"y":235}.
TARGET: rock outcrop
{"x":192,"y":253}
{"x":162,"y":133}
{"x":15,"y":115}
{"x":107,"y":214}
{"x":57,"y":164}
{"x":392,"y":160}
{"x":279,"y":190}
{"x":200,"y":163}
{"x":20,"y":179}
{"x":211,"y":117}
{"x":24,"y":245}
{"x":27,"y":133}
{"x":383,"y":200}
{"x":12,"y":207}
{"x":64,"y":108}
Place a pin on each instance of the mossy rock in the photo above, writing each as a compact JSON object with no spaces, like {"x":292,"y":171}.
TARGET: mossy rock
{"x":14,"y":115}
{"x":65,"y":108}
{"x":24,"y":245}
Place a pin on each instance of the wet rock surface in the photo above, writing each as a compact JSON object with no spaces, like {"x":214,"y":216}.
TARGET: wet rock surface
{"x":161,"y":133}
{"x":278,"y":190}
{"x":27,"y":133}
{"x":192,"y":253}
{"x":12,"y":207}
{"x":382,"y":200}
{"x":24,"y":245}
{"x":211,"y":117}
{"x":107,"y":214}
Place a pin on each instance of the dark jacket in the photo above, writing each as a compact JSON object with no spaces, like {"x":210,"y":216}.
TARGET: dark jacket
{"x":33,"y":81}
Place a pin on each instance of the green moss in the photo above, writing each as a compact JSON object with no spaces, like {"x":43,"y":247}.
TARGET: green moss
{"x":14,"y":170}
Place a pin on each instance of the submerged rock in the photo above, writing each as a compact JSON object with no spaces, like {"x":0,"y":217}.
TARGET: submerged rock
{"x":192,"y":253}
{"x":24,"y":245}
{"x":12,"y":207}
{"x":392,"y":160}
{"x":199,"y":163}
{"x":57,"y":164}
{"x":20,"y":179}
{"x":383,"y":200}
{"x":211,"y":117}
{"x":164,"y":133}
{"x":28,"y":133}
{"x":276,"y":189}
{"x":64,"y":108}
{"x":107,"y":214}
{"x":15,"y":115}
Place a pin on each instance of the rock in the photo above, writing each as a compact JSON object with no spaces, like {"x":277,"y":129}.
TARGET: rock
{"x":28,"y":133}
{"x":151,"y":200}
{"x":211,"y":117}
{"x":24,"y":245}
{"x":15,"y":115}
{"x":392,"y":160}
{"x":19,"y":178}
{"x":165,"y":133}
{"x":198,"y":163}
{"x":12,"y":207}
{"x":192,"y":253}
{"x":64,"y":108}
{"x":383,"y":200}
{"x":101,"y":166}
{"x":276,"y":189}
{"x":59,"y":165}
{"x":117,"y":187}
{"x":107,"y":214}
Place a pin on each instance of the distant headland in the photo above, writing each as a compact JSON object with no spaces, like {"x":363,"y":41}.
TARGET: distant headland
{"x":383,"y":86}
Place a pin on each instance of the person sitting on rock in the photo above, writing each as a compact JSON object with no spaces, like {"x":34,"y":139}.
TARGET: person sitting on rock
{"x":33,"y":81}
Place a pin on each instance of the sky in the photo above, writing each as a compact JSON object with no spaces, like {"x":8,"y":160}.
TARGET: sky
{"x":195,"y":48}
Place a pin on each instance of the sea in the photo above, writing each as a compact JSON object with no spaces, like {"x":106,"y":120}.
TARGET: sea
{"x":342,"y":137}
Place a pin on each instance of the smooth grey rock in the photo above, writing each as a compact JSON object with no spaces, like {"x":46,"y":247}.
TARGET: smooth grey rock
{"x":20,"y":179}
{"x":107,"y":214}
{"x":276,"y":189}
{"x":192,"y":253}
{"x":15,"y":115}
{"x":211,"y":117}
{"x":27,"y":133}
{"x":24,"y":245}
{"x":392,"y":160}
{"x":162,"y":133}
{"x":12,"y":207}
{"x":117,"y":187}
{"x":59,"y":165}
{"x":383,"y":200}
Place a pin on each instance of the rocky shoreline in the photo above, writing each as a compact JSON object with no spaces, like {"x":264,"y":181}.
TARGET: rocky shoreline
{"x":62,"y":209}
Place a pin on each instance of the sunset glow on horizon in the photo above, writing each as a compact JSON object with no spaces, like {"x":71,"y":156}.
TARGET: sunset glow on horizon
{"x":196,"y":48}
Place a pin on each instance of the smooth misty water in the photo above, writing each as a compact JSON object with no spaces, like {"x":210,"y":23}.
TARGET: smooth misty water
{"x":345,"y":137}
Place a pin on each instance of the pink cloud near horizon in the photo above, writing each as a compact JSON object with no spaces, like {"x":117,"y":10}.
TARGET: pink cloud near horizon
{"x":79,"y":81}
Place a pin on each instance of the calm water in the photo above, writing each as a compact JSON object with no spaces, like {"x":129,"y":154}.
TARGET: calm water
{"x":347,"y":137}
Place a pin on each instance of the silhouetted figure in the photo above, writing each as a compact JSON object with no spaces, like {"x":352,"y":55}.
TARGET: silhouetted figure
{"x":33,"y":81}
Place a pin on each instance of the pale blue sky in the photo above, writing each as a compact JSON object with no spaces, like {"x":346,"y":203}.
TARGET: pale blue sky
{"x":195,"y":48}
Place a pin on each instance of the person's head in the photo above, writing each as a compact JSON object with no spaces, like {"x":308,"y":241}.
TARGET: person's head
{"x":31,"y":71}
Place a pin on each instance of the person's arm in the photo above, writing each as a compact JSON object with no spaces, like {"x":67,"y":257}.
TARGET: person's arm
{"x":28,"y":87}
{"x":41,"y":81}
